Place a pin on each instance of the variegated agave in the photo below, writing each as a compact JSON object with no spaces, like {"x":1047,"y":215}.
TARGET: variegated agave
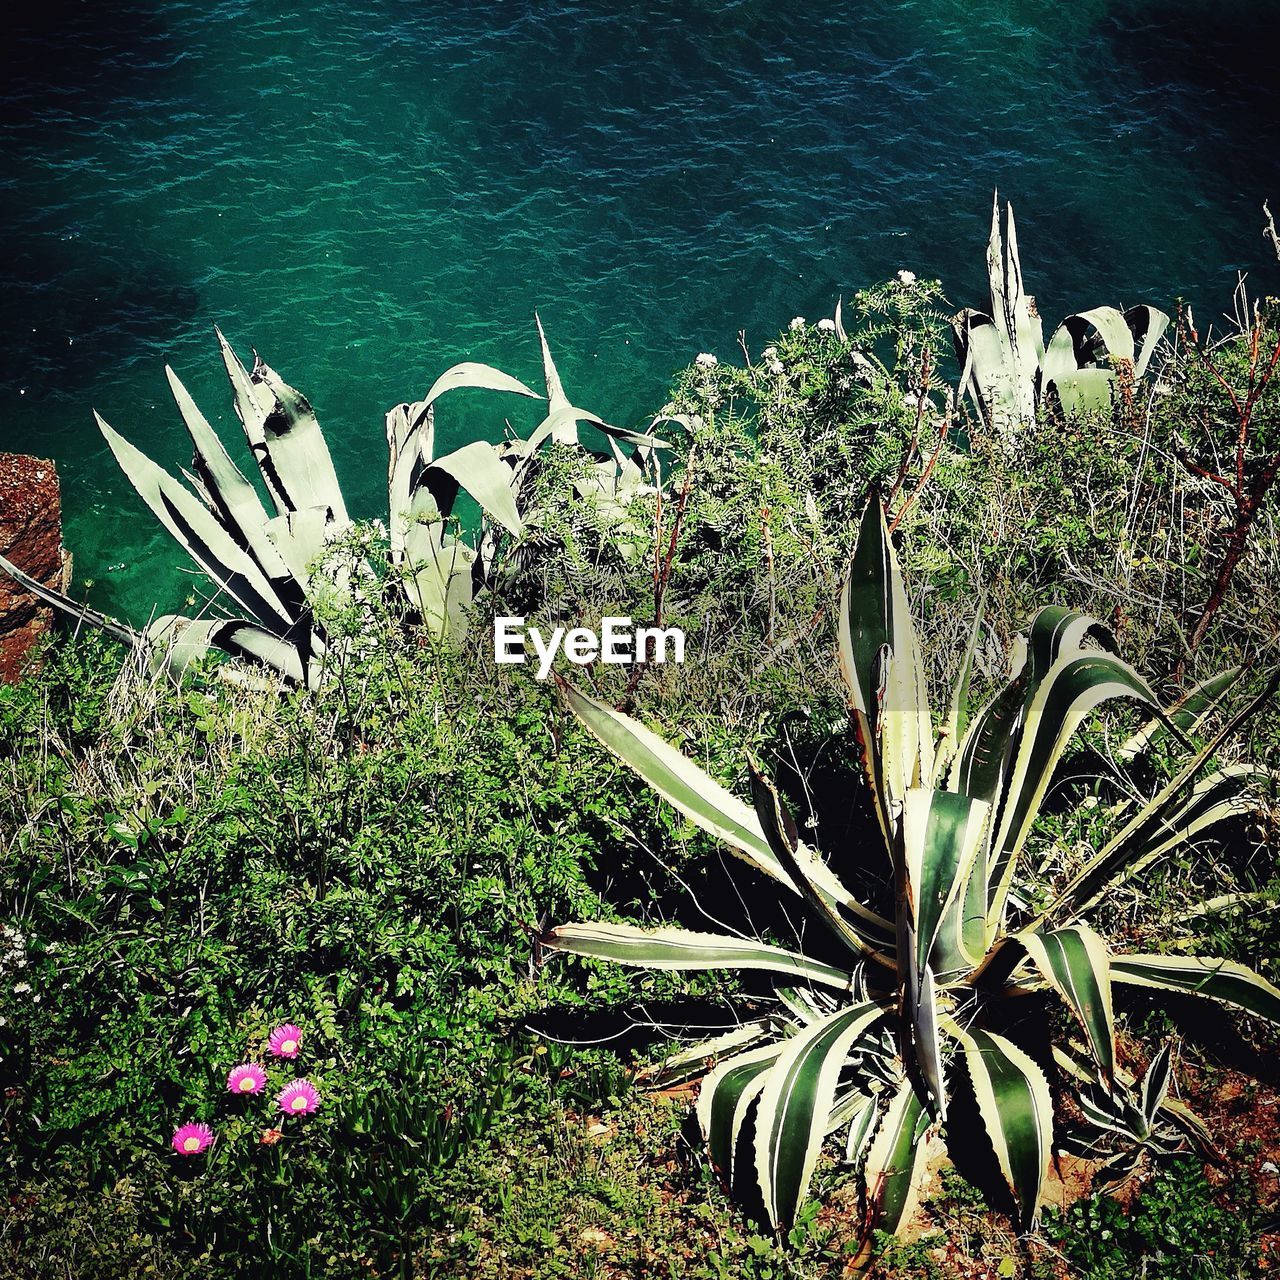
{"x":1008,"y":371}
{"x":279,"y":568}
{"x":920,"y":1002}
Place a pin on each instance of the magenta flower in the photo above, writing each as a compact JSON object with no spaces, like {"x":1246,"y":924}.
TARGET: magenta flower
{"x":299,"y":1099}
{"x":285,"y":1040}
{"x":191,"y":1139}
{"x":248,"y":1078}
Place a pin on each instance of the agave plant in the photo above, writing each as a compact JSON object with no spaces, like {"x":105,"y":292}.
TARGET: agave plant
{"x":1008,"y":371}
{"x":894,"y":1012}
{"x":280,"y":568}
{"x":1128,"y":1121}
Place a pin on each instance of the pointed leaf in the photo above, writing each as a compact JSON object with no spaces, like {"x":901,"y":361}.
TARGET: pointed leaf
{"x":724,"y":1099}
{"x":1017,"y":1110}
{"x":1074,"y":961}
{"x":795,"y":1103}
{"x":668,"y":948}
{"x":894,"y":1171}
{"x":699,"y":797}
{"x":1223,"y":980}
{"x":205,"y":540}
{"x":478,"y":469}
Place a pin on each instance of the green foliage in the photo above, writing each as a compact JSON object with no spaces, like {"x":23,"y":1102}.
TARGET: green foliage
{"x":946,"y":941}
{"x":1177,"y":1229}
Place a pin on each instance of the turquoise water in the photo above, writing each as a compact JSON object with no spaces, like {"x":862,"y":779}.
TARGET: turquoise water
{"x":369,"y":192}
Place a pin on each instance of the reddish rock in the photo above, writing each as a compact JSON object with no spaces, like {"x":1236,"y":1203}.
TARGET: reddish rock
{"x":30,"y":536}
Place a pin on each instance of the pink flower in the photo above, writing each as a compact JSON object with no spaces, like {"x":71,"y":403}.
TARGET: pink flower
{"x":285,"y":1040}
{"x":248,"y":1078}
{"x":191,"y":1139}
{"x":299,"y":1099}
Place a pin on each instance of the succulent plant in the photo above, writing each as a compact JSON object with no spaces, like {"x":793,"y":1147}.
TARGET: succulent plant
{"x":895,"y":1012}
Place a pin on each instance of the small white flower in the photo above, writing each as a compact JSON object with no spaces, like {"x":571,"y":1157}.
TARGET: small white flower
{"x":706,"y":361}
{"x":21,"y":988}
{"x":907,"y":277}
{"x":826,"y":325}
{"x":797,"y":324}
{"x":1269,"y":1166}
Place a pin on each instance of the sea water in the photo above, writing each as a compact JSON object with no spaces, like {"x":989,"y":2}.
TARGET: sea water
{"x":368,"y":192}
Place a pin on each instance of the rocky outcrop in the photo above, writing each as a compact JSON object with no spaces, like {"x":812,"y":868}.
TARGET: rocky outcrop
{"x":30,"y":536}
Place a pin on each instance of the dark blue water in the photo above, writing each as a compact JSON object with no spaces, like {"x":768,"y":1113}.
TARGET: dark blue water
{"x":370,"y":192}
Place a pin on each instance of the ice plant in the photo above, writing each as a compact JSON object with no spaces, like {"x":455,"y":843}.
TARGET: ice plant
{"x":299,"y":1099}
{"x":284,"y":1041}
{"x":249,"y":1077}
{"x":270,"y":1137}
{"x":191,"y":1139}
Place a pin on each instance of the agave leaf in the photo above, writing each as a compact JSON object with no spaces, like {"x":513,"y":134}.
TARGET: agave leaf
{"x":1185,"y":714}
{"x":557,"y":423}
{"x":1222,"y":980}
{"x":699,"y":797}
{"x":942,"y":834}
{"x":1085,"y":392}
{"x":780,"y":831}
{"x":989,"y":745}
{"x":983,"y":352}
{"x":477,"y":468}
{"x":926,"y":1041}
{"x":694,"y":1059}
{"x":1073,"y":353}
{"x":1147,"y":324}
{"x":876,"y":632}
{"x":795,"y":1103}
{"x":839,"y":321}
{"x":725,"y":1098}
{"x":1014,"y":1102}
{"x":234,"y":500}
{"x":285,"y":437}
{"x":1112,"y":863}
{"x":1072,"y":688}
{"x":439,"y":585}
{"x":1165,"y":823}
{"x":564,"y":432}
{"x":205,"y":540}
{"x":861,"y":1130}
{"x":669,"y":948}
{"x":176,"y":641}
{"x":1191,"y":1127}
{"x":893,"y":1173}
{"x":301,"y":539}
{"x":1075,"y":962}
{"x":1011,"y":306}
{"x":1155,"y":1082}
{"x":848,"y":1109}
{"x":483,"y":377}
{"x":957,"y":721}
{"x":81,"y":612}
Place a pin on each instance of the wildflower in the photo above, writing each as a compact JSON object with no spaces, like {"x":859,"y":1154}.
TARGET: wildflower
{"x":247,"y":1078}
{"x":191,"y":1139}
{"x":270,"y":1137}
{"x":826,"y":325}
{"x":706,"y":361}
{"x":907,"y":277}
{"x":797,"y":324}
{"x":21,"y":988}
{"x":285,"y":1040}
{"x":299,"y":1099}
